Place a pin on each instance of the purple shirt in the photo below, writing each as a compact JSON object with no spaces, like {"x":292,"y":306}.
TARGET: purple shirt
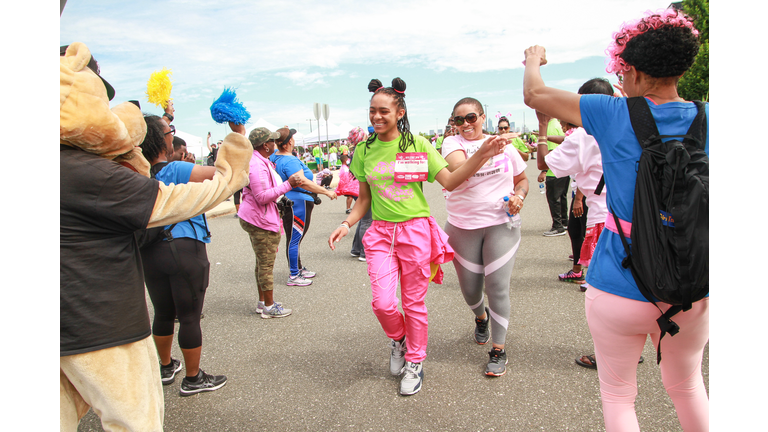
{"x":259,"y":207}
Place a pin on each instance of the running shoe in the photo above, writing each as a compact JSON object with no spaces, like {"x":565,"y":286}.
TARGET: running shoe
{"x":276,"y":311}
{"x":497,"y":364}
{"x":205,"y":382}
{"x":306,"y":274}
{"x":572,"y":276}
{"x":354,"y":253}
{"x":260,"y":306}
{"x":361,"y":258}
{"x":168,"y":373}
{"x":397,"y":358}
{"x":412,"y":379}
{"x":583,"y":287}
{"x":482,"y":334}
{"x":555,"y":232}
{"x":298,"y":280}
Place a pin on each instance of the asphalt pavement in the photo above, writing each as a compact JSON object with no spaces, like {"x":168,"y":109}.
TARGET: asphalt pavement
{"x":325,"y":368}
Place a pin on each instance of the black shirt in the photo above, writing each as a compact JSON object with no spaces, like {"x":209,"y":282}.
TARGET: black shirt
{"x":102,"y":204}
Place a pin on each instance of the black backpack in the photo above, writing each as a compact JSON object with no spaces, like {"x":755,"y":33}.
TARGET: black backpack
{"x":669,"y":255}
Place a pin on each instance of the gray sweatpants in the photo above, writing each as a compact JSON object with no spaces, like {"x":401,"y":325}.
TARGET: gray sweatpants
{"x":486,"y":256}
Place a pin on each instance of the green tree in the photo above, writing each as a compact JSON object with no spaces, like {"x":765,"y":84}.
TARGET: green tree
{"x":694,"y":85}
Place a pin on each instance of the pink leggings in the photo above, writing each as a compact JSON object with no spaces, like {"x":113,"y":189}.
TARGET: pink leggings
{"x":400,"y":251}
{"x":619,"y":328}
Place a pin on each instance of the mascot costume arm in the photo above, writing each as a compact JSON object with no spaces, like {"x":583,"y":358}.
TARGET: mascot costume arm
{"x":87,"y":122}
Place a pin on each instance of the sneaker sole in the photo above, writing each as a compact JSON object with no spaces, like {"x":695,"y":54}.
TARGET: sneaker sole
{"x":298,"y":284}
{"x":578,"y":281}
{"x":554,"y":235}
{"x":194,"y":392}
{"x":275,"y":316}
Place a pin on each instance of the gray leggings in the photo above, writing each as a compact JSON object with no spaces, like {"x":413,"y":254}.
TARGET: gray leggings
{"x":486,"y":255}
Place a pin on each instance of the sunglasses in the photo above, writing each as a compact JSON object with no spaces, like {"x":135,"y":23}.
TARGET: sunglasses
{"x":470,"y":118}
{"x":503,"y":128}
{"x":172,"y":131}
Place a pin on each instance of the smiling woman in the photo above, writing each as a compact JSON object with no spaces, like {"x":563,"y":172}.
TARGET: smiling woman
{"x":479,"y":229}
{"x":404,"y":242}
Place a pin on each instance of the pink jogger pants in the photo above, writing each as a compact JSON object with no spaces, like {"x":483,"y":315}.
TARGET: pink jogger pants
{"x":400,"y":251}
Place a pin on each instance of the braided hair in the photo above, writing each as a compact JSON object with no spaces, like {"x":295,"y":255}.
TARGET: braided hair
{"x":154,"y":141}
{"x":396,"y":92}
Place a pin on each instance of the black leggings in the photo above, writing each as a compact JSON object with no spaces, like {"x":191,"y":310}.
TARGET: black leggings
{"x":237,"y":197}
{"x":577,"y":227}
{"x":170,"y":292}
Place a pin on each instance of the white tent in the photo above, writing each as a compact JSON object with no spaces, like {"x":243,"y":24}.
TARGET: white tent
{"x":261,"y":123}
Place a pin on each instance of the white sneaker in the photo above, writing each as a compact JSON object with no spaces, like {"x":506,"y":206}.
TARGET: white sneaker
{"x":298,"y":280}
{"x":397,"y":358}
{"x":275,"y":312}
{"x":412,"y":379}
{"x":361,"y":259}
{"x":306,"y":274}
{"x":260,"y":306}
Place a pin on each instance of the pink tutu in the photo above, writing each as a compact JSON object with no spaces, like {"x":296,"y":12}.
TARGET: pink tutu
{"x":348,"y":184}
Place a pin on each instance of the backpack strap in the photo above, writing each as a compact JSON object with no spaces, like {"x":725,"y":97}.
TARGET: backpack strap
{"x":642,"y":120}
{"x":600,"y":185}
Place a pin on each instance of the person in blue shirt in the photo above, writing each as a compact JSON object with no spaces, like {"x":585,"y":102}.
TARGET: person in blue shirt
{"x":176,"y":279}
{"x":649,"y":55}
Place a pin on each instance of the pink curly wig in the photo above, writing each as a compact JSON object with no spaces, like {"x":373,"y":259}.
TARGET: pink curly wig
{"x":630,"y":29}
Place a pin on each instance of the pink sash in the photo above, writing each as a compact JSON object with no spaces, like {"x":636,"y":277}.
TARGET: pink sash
{"x":610,"y":225}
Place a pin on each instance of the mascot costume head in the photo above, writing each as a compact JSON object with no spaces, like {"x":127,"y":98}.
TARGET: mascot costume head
{"x":87,"y":122}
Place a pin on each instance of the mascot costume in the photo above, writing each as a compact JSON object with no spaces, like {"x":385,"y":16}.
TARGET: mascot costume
{"x":108,"y":360}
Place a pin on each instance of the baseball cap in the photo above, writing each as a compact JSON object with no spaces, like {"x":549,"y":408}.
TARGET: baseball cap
{"x":260,"y":135}
{"x":285,"y":135}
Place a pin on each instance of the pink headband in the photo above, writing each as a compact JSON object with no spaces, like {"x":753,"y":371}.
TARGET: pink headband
{"x":651,"y":21}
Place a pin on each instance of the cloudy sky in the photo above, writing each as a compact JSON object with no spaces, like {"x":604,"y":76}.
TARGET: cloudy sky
{"x":281,"y":57}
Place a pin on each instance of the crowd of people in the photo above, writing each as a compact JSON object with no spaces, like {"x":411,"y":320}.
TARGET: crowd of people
{"x":585,"y":142}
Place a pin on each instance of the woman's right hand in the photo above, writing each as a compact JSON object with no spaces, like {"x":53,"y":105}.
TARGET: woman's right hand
{"x":337,"y":235}
{"x":537,"y":51}
{"x":330,"y":194}
{"x":296,"y":179}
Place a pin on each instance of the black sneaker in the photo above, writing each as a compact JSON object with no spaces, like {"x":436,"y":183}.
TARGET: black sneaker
{"x":481,"y":328}
{"x":205,"y":382}
{"x":168,"y":373}
{"x":497,"y":364}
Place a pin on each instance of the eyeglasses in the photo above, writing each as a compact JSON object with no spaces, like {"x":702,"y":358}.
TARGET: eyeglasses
{"x":172,"y":131}
{"x":459,"y":120}
{"x":501,"y":128}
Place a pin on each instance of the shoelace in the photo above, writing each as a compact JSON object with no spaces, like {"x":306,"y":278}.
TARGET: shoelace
{"x":410,"y":370}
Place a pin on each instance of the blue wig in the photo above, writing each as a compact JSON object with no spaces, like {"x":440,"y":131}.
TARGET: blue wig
{"x":228,"y":109}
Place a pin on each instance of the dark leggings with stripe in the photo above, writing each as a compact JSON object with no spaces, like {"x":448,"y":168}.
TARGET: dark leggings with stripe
{"x":296,"y":224}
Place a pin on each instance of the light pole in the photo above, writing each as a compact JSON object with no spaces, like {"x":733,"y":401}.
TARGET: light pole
{"x":310,"y":125}
{"x":487,"y":119}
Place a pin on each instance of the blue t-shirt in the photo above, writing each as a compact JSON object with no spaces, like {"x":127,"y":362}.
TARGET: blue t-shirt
{"x":286,"y":166}
{"x":178,"y":173}
{"x":607,"y":119}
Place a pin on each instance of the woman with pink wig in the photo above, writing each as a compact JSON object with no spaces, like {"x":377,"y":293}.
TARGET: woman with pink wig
{"x":649,"y":55}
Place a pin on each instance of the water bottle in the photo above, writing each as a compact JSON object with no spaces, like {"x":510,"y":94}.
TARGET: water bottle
{"x":541,"y":188}
{"x":514,"y":221}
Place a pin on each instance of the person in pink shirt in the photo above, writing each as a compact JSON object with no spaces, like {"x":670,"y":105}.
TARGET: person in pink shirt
{"x":259,"y":217}
{"x":479,"y":229}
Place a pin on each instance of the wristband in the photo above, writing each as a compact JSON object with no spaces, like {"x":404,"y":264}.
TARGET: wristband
{"x":170,"y":117}
{"x":345,"y":226}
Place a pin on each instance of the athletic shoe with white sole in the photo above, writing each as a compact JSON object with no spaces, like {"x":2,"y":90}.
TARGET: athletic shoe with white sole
{"x":362,"y":258}
{"x":205,"y":382}
{"x":306,"y":274}
{"x":260,"y":306}
{"x":412,"y":379}
{"x":276,"y":311}
{"x":168,"y":373}
{"x":572,"y":276}
{"x":298,"y":280}
{"x":555,"y":232}
{"x":397,"y":358}
{"x":497,"y":364}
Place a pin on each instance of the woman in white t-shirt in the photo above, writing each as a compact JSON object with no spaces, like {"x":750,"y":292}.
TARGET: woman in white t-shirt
{"x":479,"y":229}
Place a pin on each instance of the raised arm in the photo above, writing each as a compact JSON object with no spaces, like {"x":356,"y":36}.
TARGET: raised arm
{"x":560,"y":104}
{"x":491,"y":147}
